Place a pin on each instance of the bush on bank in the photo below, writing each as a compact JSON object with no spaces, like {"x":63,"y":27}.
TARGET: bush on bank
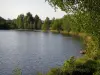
{"x":86,"y":26}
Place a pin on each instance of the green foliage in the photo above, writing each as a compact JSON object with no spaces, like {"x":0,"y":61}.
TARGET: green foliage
{"x":20,"y":21}
{"x":17,"y":71}
{"x":7,"y":24}
{"x":66,"y":26}
{"x":85,"y":18}
{"x":69,"y":65}
{"x":56,"y":25}
{"x":54,"y":71}
{"x":37,"y":22}
{"x":28,"y":21}
{"x":73,"y":67}
{"x":46,"y":24}
{"x":76,"y":5}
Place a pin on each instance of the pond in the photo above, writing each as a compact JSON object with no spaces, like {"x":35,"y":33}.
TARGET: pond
{"x":35,"y":52}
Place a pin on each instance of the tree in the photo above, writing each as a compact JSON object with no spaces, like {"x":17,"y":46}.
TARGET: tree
{"x":29,"y":21}
{"x":56,"y":25}
{"x":3,"y":24}
{"x":52,"y":21}
{"x":76,"y":5}
{"x":67,"y":22}
{"x":11,"y":23}
{"x":46,"y":24}
{"x":36,"y":21}
{"x":39,"y":24}
{"x":20,"y":21}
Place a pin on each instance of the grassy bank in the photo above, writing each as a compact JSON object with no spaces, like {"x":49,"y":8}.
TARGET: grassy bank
{"x":89,"y":64}
{"x":91,"y":44}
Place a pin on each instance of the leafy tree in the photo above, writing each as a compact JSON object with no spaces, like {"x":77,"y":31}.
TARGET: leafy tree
{"x":11,"y":23}
{"x":29,"y":20}
{"x":76,"y":5}
{"x":46,"y":24}
{"x":52,"y":21}
{"x":56,"y":25}
{"x":20,"y":21}
{"x":67,"y":21}
{"x":3,"y":24}
{"x":36,"y":21}
{"x":25,"y":22}
{"x":85,"y":18}
{"x":39,"y":24}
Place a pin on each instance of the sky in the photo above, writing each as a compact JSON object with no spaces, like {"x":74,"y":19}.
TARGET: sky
{"x":12,"y":8}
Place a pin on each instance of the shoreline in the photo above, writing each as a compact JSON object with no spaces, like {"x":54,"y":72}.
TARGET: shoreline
{"x":87,"y":40}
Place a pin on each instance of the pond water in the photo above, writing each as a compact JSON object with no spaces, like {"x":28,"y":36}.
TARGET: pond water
{"x":34,"y":52}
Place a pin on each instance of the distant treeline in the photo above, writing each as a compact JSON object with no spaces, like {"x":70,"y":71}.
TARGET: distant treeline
{"x":23,"y":22}
{"x":4,"y":24}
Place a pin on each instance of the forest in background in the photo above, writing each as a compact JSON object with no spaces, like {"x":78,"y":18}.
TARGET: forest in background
{"x":23,"y":22}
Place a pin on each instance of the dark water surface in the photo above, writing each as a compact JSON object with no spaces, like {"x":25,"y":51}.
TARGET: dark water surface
{"x":35,"y":52}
